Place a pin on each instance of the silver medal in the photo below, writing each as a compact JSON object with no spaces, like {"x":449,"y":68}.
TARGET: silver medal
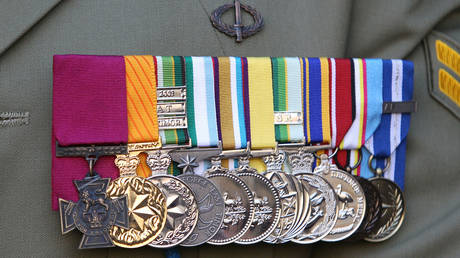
{"x":239,"y":204}
{"x":323,"y":199}
{"x":266,"y":201}
{"x":352,"y":202}
{"x":288,"y":196}
{"x":209,"y":199}
{"x":182,"y":208}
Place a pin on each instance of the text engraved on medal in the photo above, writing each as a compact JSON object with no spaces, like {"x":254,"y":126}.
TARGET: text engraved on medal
{"x":351,"y":205}
{"x":172,"y":108}
{"x":287,"y":118}
{"x":171,"y":93}
{"x":211,"y":209}
{"x":178,"y":122}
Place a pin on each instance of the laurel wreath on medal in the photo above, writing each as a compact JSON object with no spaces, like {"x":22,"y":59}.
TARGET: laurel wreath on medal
{"x":187,"y":224}
{"x":393,"y":223}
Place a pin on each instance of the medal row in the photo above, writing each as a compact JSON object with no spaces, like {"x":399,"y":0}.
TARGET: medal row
{"x":223,"y":206}
{"x":285,"y":109}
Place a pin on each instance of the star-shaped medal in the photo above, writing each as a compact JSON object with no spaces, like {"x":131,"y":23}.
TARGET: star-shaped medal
{"x":94,"y":214}
{"x":187,"y":164}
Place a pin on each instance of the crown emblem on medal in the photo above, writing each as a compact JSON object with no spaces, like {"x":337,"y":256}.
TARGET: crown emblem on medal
{"x":275,"y":161}
{"x":158,"y":162}
{"x":301,"y":161}
{"x":127,"y":164}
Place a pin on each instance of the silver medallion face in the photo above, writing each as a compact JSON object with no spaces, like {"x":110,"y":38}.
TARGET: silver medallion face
{"x":239,"y":205}
{"x":304,"y":210}
{"x":351,"y":204}
{"x":289,"y":199}
{"x":266,"y":203}
{"x":211,"y":209}
{"x":323,"y":203}
{"x":393,"y":210}
{"x":182,"y":211}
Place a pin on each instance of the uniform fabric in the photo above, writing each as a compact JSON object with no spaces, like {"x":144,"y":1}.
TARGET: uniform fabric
{"x":31,"y":32}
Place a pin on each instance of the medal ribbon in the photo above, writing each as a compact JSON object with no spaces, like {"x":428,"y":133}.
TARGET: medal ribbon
{"x":389,"y":140}
{"x":316,"y":98}
{"x":141,"y":95}
{"x":170,"y":71}
{"x":87,"y":92}
{"x":230,"y":77}
{"x":341,"y":99}
{"x":287,"y":95}
{"x":368,"y":83}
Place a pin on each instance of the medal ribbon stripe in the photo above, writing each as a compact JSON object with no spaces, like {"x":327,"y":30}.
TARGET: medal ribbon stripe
{"x":236,"y":82}
{"x":367,"y":102}
{"x":141,"y":104}
{"x":261,"y":103}
{"x":287,"y":95}
{"x":201,"y":104}
{"x":341,"y":99}
{"x":225,"y":104}
{"x":316,"y":100}
{"x":389,"y":139}
{"x":171,"y":73}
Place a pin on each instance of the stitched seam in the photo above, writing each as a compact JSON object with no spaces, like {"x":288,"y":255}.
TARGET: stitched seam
{"x":14,"y":119}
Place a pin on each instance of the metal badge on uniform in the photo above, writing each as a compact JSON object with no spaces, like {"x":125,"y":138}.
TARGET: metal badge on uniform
{"x":94,"y":214}
{"x":443,"y":57}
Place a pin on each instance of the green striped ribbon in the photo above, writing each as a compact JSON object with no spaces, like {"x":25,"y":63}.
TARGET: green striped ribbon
{"x":173,"y":75}
{"x":279,"y":95}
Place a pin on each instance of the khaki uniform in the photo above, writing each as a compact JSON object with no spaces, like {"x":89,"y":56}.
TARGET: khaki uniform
{"x":31,"y":32}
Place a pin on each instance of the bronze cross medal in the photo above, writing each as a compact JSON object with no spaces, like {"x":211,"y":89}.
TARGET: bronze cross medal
{"x":94,"y":214}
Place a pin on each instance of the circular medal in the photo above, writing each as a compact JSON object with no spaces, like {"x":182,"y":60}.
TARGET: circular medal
{"x":373,"y":208}
{"x":182,"y":210}
{"x":304,"y":210}
{"x":146,"y":211}
{"x":289,"y":197}
{"x":210,"y":206}
{"x":393,"y":210}
{"x":239,"y":205}
{"x":323,"y":203}
{"x":266,"y":203}
{"x":352,"y":201}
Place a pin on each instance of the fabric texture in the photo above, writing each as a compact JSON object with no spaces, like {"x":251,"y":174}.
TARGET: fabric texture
{"x":334,"y":28}
{"x":87,"y":92}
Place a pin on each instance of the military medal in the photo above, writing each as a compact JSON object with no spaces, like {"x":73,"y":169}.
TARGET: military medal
{"x":239,"y":204}
{"x":181,"y":205}
{"x":373,"y":203}
{"x":323,"y":199}
{"x":352,"y":201}
{"x":266,"y":203}
{"x":209,"y":200}
{"x":289,"y":196}
{"x":94,"y":214}
{"x":393,"y":207}
{"x":146,"y":203}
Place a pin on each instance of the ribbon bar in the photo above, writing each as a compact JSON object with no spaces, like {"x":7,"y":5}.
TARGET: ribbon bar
{"x":90,"y":150}
{"x":399,"y":107}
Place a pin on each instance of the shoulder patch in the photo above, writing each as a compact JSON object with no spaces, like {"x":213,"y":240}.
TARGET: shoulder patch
{"x":443,"y":68}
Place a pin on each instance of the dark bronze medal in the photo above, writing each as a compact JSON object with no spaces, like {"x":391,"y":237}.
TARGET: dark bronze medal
{"x":94,"y":214}
{"x":393,"y":206}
